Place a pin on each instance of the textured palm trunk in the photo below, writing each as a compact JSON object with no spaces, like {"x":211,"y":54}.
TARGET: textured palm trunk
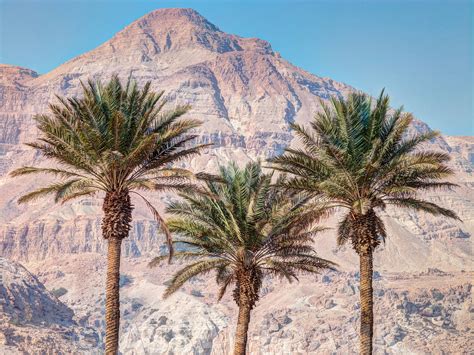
{"x":364,"y":242}
{"x":366,"y":303}
{"x":112,"y":303}
{"x":246,"y":296}
{"x":115,"y":226}
{"x":243,"y":321}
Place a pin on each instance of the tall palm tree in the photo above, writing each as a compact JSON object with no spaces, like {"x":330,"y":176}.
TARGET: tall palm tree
{"x":116,"y":139}
{"x":244,"y":229}
{"x":359,"y":155}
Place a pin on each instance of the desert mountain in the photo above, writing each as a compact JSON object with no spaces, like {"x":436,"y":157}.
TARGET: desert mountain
{"x":246,"y":95}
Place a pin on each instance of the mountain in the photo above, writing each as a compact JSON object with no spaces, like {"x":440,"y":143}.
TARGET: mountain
{"x":247,"y":96}
{"x":243,"y":91}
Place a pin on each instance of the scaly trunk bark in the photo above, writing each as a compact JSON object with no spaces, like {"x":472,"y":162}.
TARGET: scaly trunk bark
{"x":245,"y":295}
{"x":115,"y":226}
{"x":112,"y":303}
{"x":364,"y":241}
{"x":240,"y":345}
{"x":366,"y":302}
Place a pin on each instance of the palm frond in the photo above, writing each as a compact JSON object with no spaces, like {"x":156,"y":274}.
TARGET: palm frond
{"x":422,"y":205}
{"x":162,"y":224}
{"x":189,"y":271}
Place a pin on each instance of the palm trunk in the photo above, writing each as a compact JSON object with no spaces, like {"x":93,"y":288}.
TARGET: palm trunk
{"x":240,"y":345}
{"x":112,"y":303}
{"x":366,"y":302}
{"x":115,"y":226}
{"x":364,"y":241}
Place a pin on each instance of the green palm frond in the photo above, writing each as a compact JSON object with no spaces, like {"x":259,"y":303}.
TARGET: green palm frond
{"x":27,"y":170}
{"x":422,"y":205}
{"x":182,"y":255}
{"x":189,"y":271}
{"x":60,"y":190}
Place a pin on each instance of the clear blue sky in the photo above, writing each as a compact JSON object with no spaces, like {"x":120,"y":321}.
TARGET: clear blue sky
{"x":420,"y":51}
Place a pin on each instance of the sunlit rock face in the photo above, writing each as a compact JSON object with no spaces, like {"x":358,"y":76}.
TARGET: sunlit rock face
{"x":247,"y":96}
{"x":416,"y":312}
{"x":32,"y":318}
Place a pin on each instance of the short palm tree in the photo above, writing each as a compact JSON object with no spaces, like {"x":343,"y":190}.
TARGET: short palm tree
{"x":243,"y":230}
{"x":359,"y":156}
{"x":116,"y":139}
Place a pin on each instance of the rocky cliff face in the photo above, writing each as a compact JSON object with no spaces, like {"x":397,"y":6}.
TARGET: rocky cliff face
{"x":247,"y":95}
{"x":417,"y":313}
{"x":32,"y":319}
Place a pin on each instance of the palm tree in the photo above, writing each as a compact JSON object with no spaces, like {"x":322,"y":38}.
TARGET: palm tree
{"x":115,"y":139}
{"x":244,"y":229}
{"x":360,"y":156}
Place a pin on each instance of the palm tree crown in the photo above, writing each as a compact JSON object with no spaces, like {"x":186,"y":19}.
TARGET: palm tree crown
{"x":115,"y":138}
{"x":359,"y":156}
{"x":244,"y":223}
{"x":244,"y":229}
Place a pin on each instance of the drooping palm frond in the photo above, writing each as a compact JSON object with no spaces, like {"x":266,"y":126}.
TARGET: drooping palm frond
{"x":197,"y":268}
{"x":245,"y":225}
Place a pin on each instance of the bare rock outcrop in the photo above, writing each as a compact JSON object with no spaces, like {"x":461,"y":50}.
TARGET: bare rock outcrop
{"x":32,"y":319}
{"x":416,"y":313}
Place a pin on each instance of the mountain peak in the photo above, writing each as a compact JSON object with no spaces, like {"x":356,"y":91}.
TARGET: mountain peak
{"x":166,"y":30}
{"x":163,"y":38}
{"x":175,"y":16}
{"x":173,"y":30}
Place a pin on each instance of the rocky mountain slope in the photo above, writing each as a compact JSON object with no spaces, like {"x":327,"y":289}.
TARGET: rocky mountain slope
{"x":247,"y":95}
{"x":417,"y":313}
{"x":33,"y":319}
